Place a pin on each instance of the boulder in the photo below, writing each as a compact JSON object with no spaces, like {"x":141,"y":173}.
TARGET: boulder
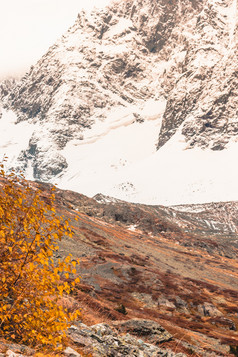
{"x":151,"y":330}
{"x":70,"y":352}
{"x":208,"y":309}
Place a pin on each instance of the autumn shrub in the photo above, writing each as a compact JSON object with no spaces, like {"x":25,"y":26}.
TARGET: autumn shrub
{"x":32,"y":279}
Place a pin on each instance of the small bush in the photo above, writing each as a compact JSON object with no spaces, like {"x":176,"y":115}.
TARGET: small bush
{"x":234,"y":350}
{"x":122,"y":309}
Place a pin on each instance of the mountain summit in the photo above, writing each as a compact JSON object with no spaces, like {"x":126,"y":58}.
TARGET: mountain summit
{"x":137,"y":101}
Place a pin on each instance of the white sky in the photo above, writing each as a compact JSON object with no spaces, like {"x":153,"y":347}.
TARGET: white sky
{"x":29,"y":27}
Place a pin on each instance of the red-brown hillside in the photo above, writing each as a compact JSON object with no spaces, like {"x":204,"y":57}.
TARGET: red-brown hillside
{"x":154,"y":262}
{"x":177,"y":266}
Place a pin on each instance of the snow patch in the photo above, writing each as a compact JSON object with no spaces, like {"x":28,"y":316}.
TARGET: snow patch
{"x":116,"y":30}
{"x":132,"y":228}
{"x":14,"y":137}
{"x":112,"y":144}
{"x":118,"y":157}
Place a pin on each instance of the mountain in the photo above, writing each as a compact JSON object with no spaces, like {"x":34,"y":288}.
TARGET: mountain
{"x":136,"y":101}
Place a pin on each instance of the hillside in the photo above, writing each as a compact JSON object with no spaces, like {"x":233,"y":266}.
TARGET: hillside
{"x":176,"y":266}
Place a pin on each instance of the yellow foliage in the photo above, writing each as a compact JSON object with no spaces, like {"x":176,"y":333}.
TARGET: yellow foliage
{"x":30,"y":276}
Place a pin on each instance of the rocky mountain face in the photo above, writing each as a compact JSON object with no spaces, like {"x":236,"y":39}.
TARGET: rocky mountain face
{"x":170,"y":63}
{"x":204,"y":97}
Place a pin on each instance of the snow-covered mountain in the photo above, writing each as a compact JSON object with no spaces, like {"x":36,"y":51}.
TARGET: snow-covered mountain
{"x":137,"y":101}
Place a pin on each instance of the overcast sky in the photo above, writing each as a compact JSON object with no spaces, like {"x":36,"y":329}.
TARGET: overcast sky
{"x":29,"y":27}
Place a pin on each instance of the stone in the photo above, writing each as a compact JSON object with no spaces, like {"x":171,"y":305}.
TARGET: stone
{"x":208,"y":309}
{"x":165,"y":302}
{"x":80,"y":340}
{"x":148,"y":329}
{"x":70,"y":352}
{"x":103,"y":329}
{"x":10,"y":353}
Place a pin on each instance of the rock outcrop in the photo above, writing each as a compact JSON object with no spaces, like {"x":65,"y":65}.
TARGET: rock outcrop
{"x":102,"y":340}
